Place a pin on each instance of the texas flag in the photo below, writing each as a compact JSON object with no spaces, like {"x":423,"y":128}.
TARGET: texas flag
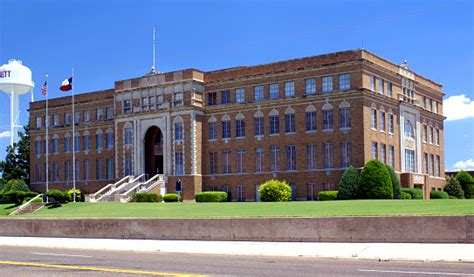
{"x":66,"y":85}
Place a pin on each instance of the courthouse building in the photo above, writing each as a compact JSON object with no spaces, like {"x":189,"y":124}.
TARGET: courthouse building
{"x":303,"y":120}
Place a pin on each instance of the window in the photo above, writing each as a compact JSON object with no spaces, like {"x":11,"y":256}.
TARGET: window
{"x":77,"y":170}
{"x":372,"y":83}
{"x":344,"y":82}
{"x":239,"y":128}
{"x":259,"y":159}
{"x":289,"y":89}
{"x":345,"y":117}
{"x":390,"y":123}
{"x":381,"y":86}
{"x":212,"y":98}
{"x":290,"y":126}
{"x":274,"y":92}
{"x":240,"y":95}
{"x":67,"y":144}
{"x":110,"y":169}
{"x":290,"y":157}
{"x":56,"y":119}
{"x":85,"y":168}
{"x":327,"y":84}
{"x":110,"y":112}
{"x":275,"y":158}
{"x":178,"y":99}
{"x":39,"y":146}
{"x":39,"y":121}
{"x":67,"y":171}
{"x":391,"y":156}
{"x":374,"y":151}
{"x":437,"y":136}
{"x":77,"y":143}
{"x":373,"y":119}
{"x":389,"y":89}
{"x":98,"y":169}
{"x":409,"y":160}
{"x":77,"y":117}
{"x":424,"y":131}
{"x":409,"y":129}
{"x":86,"y":115}
{"x":310,"y":121}
{"x":127,"y":106}
{"x":128,"y":136}
{"x":432,"y":165}
{"x":212,"y":162}
{"x":55,"y":145}
{"x":85,"y":143}
{"x":258,"y":122}
{"x":311,"y":156}
{"x":430,"y":104}
{"x":240,"y":160}
{"x":438,"y":166}
{"x":382,"y":121}
{"x":310,"y":86}
{"x":178,"y":163}
{"x":55,"y":172}
{"x":431,"y":135}
{"x":258,"y":93}
{"x":98,"y":141}
{"x":274,"y":124}
{"x":226,"y":129}
{"x":435,"y":106}
{"x":226,"y":168}
{"x":346,"y":153}
{"x":67,"y":118}
{"x":212,"y":131}
{"x":327,"y":120}
{"x":100,"y":114}
{"x":110,"y":140}
{"x":178,"y":131}
{"x":225,"y":97}
{"x":383,"y":153}
{"x":425,"y":163}
{"x":327,"y":152}
{"x":128,"y":165}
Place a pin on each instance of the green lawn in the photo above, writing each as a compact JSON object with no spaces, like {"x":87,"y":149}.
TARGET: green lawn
{"x":252,"y":209}
{"x":5,"y":209}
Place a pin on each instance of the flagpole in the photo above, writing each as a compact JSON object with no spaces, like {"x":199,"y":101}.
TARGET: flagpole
{"x":47,"y":137}
{"x":73,"y":142}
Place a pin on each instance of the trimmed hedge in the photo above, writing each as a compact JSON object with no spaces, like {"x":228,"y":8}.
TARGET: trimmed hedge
{"x":58,"y":196}
{"x":146,"y":197}
{"x":415,"y":193}
{"x":211,"y":196}
{"x":275,"y":191}
{"x":348,"y":185}
{"x":375,"y":181}
{"x":405,"y":195}
{"x":438,"y":195}
{"x":326,"y":195}
{"x":17,"y":197}
{"x":171,"y":197}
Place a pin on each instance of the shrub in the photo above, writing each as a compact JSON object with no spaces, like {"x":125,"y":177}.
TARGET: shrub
{"x":348,"y":184}
{"x":415,"y":193}
{"x":58,"y":196}
{"x":146,"y":197}
{"x":453,"y":187}
{"x":326,"y":195}
{"x":452,"y":197}
{"x":70,"y":194}
{"x":2,"y":184}
{"x":395,"y":182}
{"x":438,"y":195}
{"x":375,"y":181}
{"x":467,"y":183}
{"x":275,"y":191}
{"x":16,"y":185}
{"x":18,"y":197}
{"x":171,"y":197}
{"x":211,"y":196}
{"x":405,"y":195}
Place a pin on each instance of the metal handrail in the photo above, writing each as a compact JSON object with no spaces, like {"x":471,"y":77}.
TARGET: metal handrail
{"x":109,"y":185}
{"x":157,"y":176}
{"x":131,"y":182}
{"x":25,"y":205}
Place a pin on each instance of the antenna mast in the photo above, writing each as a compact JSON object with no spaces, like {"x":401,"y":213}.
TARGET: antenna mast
{"x":153,"y":68}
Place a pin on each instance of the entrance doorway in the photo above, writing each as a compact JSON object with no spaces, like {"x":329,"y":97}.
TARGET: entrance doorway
{"x":153,"y":151}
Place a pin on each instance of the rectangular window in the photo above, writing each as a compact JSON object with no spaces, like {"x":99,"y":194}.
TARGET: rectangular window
{"x":391,"y":156}
{"x":226,"y":129}
{"x":240,"y":160}
{"x":423,"y":102}
{"x":240,"y":95}
{"x":225,"y":97}
{"x":67,"y":171}
{"x":381,"y":86}
{"x":110,"y":140}
{"x":430,"y":104}
{"x":327,"y":120}
{"x":372,"y":83}
{"x":110,"y":112}
{"x":86,"y":115}
{"x":100,"y":114}
{"x":98,"y":169}
{"x":67,"y":118}
{"x":431,"y":135}
{"x":212,"y":162}
{"x":389,"y":89}
{"x":311,"y":156}
{"x":39,"y":121}
{"x":423,"y":133}
{"x":373,"y":119}
{"x":77,"y":144}
{"x":310,"y":86}
{"x":85,"y":169}
{"x":39,"y":146}
{"x":290,"y":126}
{"x":409,"y":160}
{"x":437,"y":136}
{"x":432,"y":166}
{"x":382,"y":121}
{"x":344,"y":82}
{"x":327,"y":84}
{"x":346,"y":153}
{"x":239,"y":128}
{"x":178,"y":163}
{"x":374,"y":151}
{"x":127,"y":106}
{"x":345,"y":117}
{"x":258,"y":93}
{"x":128,"y":165}
{"x":290,"y":157}
{"x":226,"y":168}
{"x":178,"y":131}
{"x":55,"y":172}
{"x":212,"y":98}
{"x":274,"y":92}
{"x":383,"y":153}
{"x":311,"y":121}
{"x":390,"y":123}
{"x":77,"y":169}
{"x":328,"y":154}
{"x":289,"y":89}
{"x":425,"y":163}
{"x":274,"y":124}
{"x":259,"y":159}
{"x":67,"y":144}
{"x":98,"y":142}
{"x":212,"y":131}
{"x":435,"y":107}
{"x":258,"y":123}
{"x":275,"y":158}
{"x":438,"y":166}
{"x":110,"y":169}
{"x":55,"y":145}
{"x":77,"y":117}
{"x":128,"y":136}
{"x":56,"y":119}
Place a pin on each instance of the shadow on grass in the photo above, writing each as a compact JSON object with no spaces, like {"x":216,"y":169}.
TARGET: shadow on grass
{"x":12,"y":206}
{"x":53,"y":205}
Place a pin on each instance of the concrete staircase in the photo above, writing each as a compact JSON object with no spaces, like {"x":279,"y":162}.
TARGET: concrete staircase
{"x":31,"y":206}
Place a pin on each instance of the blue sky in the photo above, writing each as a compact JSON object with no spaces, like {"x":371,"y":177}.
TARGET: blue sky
{"x":111,"y":40}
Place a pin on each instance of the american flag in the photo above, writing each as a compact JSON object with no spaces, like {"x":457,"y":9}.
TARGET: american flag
{"x":44,"y":88}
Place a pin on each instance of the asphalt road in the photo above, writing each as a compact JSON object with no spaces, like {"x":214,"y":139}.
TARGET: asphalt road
{"x":20,"y":261}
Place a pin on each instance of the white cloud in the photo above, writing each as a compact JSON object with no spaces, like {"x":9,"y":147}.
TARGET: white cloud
{"x":458,"y":107}
{"x":468,"y":164}
{"x":5,"y":134}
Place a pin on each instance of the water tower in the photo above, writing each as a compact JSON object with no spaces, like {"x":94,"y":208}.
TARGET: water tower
{"x":15,"y":80}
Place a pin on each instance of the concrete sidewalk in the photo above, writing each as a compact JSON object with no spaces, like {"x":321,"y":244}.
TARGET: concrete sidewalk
{"x":379,"y":251}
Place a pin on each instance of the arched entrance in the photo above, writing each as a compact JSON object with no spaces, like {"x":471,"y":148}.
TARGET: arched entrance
{"x":153,"y":151}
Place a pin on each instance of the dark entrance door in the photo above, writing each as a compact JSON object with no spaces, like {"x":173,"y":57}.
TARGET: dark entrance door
{"x":153,"y":151}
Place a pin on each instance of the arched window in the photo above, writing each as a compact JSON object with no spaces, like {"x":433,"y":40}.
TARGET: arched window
{"x":409,"y":131}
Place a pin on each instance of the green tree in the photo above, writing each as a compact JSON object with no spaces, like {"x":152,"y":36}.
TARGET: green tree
{"x":466,"y":182}
{"x":395,"y":182}
{"x":375,"y":181}
{"x":348,"y":185}
{"x":275,"y":191}
{"x":17,"y":161}
{"x":16,"y":185}
{"x":453,"y":187}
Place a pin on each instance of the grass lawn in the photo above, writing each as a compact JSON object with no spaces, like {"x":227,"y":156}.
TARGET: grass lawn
{"x":252,"y":209}
{"x":5,"y":209}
